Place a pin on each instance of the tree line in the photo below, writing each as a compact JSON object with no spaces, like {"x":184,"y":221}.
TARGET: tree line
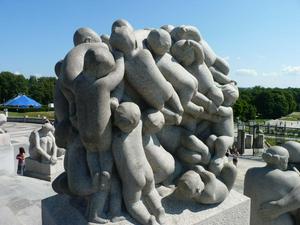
{"x":266,"y":103}
{"x":257,"y":102}
{"x":40,"y":89}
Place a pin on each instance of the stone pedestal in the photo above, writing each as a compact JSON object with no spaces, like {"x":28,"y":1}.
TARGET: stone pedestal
{"x":235,"y":210}
{"x":7,"y":159}
{"x":4,"y":139}
{"x":259,"y":142}
{"x":43,"y":171}
{"x":249,"y":141}
{"x":241,"y":141}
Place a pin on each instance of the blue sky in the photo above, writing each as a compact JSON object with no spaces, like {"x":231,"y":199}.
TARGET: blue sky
{"x":259,"y":38}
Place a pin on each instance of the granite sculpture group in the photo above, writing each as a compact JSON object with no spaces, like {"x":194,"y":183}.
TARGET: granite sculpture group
{"x":140,"y":109}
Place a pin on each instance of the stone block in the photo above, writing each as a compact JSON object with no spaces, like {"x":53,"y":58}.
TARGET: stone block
{"x":248,"y":141}
{"x":260,"y":141}
{"x":7,"y":159}
{"x":235,"y":210}
{"x":43,"y":171}
{"x":4,"y":139}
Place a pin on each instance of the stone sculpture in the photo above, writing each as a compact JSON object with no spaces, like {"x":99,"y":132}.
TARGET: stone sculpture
{"x":274,"y":190}
{"x":132,"y":108}
{"x":42,"y":146}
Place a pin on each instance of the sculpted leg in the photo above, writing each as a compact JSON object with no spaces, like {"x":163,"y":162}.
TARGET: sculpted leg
{"x":189,"y":157}
{"x":98,"y":199}
{"x":222,"y":144}
{"x":154,"y":200}
{"x":228,"y":175}
{"x":115,"y":204}
{"x":80,"y":181}
{"x":135,"y":207}
{"x":216,"y":95}
{"x":194,"y":144}
{"x":174,"y":104}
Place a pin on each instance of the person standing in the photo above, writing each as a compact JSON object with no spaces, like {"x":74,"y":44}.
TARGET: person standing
{"x":21,"y":161}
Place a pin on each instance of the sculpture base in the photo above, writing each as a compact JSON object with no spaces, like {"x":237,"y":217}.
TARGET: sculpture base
{"x":43,"y":171}
{"x":4,"y":139}
{"x":235,"y":210}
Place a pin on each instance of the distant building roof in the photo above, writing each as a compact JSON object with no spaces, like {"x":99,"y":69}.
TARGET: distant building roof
{"x":22,"y":101}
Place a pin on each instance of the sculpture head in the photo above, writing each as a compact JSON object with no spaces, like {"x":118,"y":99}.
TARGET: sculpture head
{"x":105,"y":39}
{"x":58,"y":67}
{"x":189,"y":185}
{"x":276,"y":157}
{"x":185,"y":52}
{"x":85,"y":35}
{"x":167,"y":28}
{"x":185,"y":32}
{"x":127,"y":116}
{"x":230,"y":93}
{"x":123,"y":39}
{"x":159,"y":41}
{"x":121,"y":23}
{"x":47,"y":127}
{"x":153,"y":121}
{"x":98,"y":62}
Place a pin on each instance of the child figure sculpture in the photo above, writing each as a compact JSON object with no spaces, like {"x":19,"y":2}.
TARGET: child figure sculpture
{"x":143,"y":74}
{"x":101,"y":74}
{"x":185,"y":84}
{"x":190,"y":54}
{"x":134,"y":170}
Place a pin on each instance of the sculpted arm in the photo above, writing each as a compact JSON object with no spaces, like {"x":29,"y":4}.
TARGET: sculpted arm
{"x":220,"y":77}
{"x":116,"y":76}
{"x":288,"y":203}
{"x":198,"y":50}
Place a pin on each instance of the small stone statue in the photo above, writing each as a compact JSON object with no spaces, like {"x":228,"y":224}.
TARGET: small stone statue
{"x":42,"y":145}
{"x":274,"y":190}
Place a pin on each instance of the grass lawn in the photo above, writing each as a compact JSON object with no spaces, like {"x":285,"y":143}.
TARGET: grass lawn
{"x":49,"y":115}
{"x":292,"y":117}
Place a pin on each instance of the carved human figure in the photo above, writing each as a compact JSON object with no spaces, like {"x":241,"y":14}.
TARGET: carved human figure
{"x":133,"y":167}
{"x":274,"y":191}
{"x":185,"y":84}
{"x":161,"y":161}
{"x":223,"y":131}
{"x":42,"y":146}
{"x":185,"y":145}
{"x":186,"y":32}
{"x":200,"y":186}
{"x":143,"y":74}
{"x":72,"y":65}
{"x":190,"y":54}
{"x":100,"y":76}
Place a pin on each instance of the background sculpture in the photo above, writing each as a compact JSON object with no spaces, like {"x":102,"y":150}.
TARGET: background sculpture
{"x":138,"y":110}
{"x":273,"y":189}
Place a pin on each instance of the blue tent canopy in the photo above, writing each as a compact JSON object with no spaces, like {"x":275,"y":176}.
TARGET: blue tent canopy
{"x":22,"y":101}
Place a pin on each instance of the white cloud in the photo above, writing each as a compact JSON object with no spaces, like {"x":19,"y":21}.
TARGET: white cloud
{"x":17,"y":73}
{"x":291,"y":70}
{"x":227,"y":58}
{"x":270,"y":74}
{"x":246,"y":72}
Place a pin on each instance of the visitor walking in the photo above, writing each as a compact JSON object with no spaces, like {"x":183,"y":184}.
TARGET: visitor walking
{"x":21,"y":161}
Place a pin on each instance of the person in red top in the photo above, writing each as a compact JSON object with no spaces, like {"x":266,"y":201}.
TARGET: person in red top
{"x":21,"y":161}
